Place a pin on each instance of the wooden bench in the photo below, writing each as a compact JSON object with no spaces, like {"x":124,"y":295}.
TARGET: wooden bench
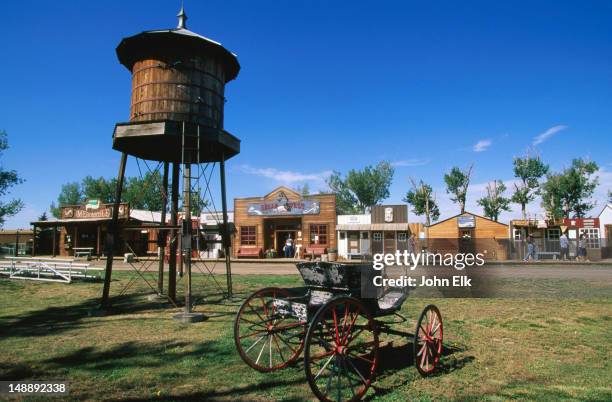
{"x":555,"y":255}
{"x":315,"y":251}
{"x":83,"y":252}
{"x":253,"y":252}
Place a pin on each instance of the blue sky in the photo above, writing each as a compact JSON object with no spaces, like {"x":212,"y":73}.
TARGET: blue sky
{"x":324,"y":86}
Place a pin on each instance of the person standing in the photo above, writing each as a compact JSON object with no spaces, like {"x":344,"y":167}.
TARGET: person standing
{"x":289,"y":248}
{"x":564,"y":245}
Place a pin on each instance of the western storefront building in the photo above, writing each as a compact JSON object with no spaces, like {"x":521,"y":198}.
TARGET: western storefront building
{"x":384,"y":230}
{"x":83,"y":228}
{"x":263,"y":224}
{"x":469,"y":233}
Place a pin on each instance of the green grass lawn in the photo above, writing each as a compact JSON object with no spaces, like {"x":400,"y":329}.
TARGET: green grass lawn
{"x":497,"y":349}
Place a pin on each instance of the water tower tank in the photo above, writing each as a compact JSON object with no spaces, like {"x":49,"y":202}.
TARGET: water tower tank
{"x":178,"y":85}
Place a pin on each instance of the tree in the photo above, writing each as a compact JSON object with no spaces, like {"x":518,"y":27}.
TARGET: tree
{"x":8,"y":179}
{"x":346,"y":202}
{"x":99,"y":188}
{"x":145,"y":192}
{"x":423,"y":201}
{"x":43,"y":217}
{"x":610,"y":196}
{"x":141,"y":193}
{"x":570,"y":191}
{"x":457,"y":183}
{"x":361,"y":188}
{"x":70,"y":194}
{"x":529,"y":170}
{"x":303,"y":189}
{"x":494,"y":203}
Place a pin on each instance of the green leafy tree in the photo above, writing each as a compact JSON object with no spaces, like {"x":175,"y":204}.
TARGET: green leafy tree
{"x":361,"y":188}
{"x":423,"y":202}
{"x":8,"y":179}
{"x":457,"y":183}
{"x":303,"y":189}
{"x":70,"y":194}
{"x":43,"y":217}
{"x":346,"y":202}
{"x":569,"y":192}
{"x":99,"y":188}
{"x":145,"y":192}
{"x":528,"y":170}
{"x":494,"y":203}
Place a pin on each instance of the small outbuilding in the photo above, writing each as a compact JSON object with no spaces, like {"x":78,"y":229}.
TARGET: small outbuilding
{"x":469,"y":233}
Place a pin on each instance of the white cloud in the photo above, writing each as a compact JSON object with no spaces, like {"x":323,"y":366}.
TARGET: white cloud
{"x":410,"y":162}
{"x":286,"y":176}
{"x":482,"y":145}
{"x":548,"y":134}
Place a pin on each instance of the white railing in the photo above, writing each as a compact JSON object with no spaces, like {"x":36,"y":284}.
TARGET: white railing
{"x":47,"y":269}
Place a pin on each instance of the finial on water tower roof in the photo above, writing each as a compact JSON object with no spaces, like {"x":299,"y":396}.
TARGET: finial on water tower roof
{"x":182,"y":18}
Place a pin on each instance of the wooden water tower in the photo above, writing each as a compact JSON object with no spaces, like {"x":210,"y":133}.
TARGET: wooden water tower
{"x":176,"y":117}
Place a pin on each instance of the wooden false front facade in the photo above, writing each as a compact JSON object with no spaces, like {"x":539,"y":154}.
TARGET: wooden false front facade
{"x":264,"y":223}
{"x":84,"y":229}
{"x":469,"y":233}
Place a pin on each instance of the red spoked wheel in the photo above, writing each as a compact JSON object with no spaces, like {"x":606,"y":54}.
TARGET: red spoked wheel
{"x":341,"y":350}
{"x":428,"y":340}
{"x":266,"y":339}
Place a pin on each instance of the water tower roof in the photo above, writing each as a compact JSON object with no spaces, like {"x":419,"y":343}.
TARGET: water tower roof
{"x":177,"y":42}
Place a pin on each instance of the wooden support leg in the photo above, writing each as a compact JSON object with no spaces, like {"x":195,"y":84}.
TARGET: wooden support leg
{"x":173,"y":233}
{"x":112,"y":234}
{"x":226,"y":229}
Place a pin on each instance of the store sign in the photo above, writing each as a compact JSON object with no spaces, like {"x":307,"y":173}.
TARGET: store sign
{"x":282,"y":206}
{"x":93,"y":204}
{"x":466,"y":221}
{"x":388,"y":214}
{"x":101,"y":212}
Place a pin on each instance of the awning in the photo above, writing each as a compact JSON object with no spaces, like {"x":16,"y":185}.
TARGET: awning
{"x":59,"y":222}
{"x":374,"y":227}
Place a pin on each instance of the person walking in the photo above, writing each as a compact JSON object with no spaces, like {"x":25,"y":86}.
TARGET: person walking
{"x":531,"y":249}
{"x":411,"y":244}
{"x":564,"y":245}
{"x":582,"y":251}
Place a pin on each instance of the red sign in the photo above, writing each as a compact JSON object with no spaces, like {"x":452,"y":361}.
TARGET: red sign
{"x":581,"y":222}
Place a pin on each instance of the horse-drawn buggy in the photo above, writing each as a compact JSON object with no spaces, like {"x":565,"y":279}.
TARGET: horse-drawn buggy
{"x":334,"y":325}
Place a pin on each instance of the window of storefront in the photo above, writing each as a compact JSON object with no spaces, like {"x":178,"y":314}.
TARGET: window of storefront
{"x":318,"y":234}
{"x":402,"y":236}
{"x":364,"y":235}
{"x":517,"y":234}
{"x":248,"y":235}
{"x":591,"y":236}
{"x":377,"y":236}
{"x":554,"y":233}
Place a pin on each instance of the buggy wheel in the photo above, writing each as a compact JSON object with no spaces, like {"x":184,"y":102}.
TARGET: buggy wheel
{"x":341,"y":350}
{"x":428,"y":340}
{"x":265,"y":339}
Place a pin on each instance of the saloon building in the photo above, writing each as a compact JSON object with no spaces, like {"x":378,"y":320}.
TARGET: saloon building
{"x":263,"y":224}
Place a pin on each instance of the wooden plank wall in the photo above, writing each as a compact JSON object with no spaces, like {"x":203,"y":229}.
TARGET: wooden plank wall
{"x":327,"y":216}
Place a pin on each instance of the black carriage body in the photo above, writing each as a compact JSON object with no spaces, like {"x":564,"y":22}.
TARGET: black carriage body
{"x":325,"y":281}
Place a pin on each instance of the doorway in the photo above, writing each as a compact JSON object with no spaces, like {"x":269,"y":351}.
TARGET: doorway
{"x":281,"y":239}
